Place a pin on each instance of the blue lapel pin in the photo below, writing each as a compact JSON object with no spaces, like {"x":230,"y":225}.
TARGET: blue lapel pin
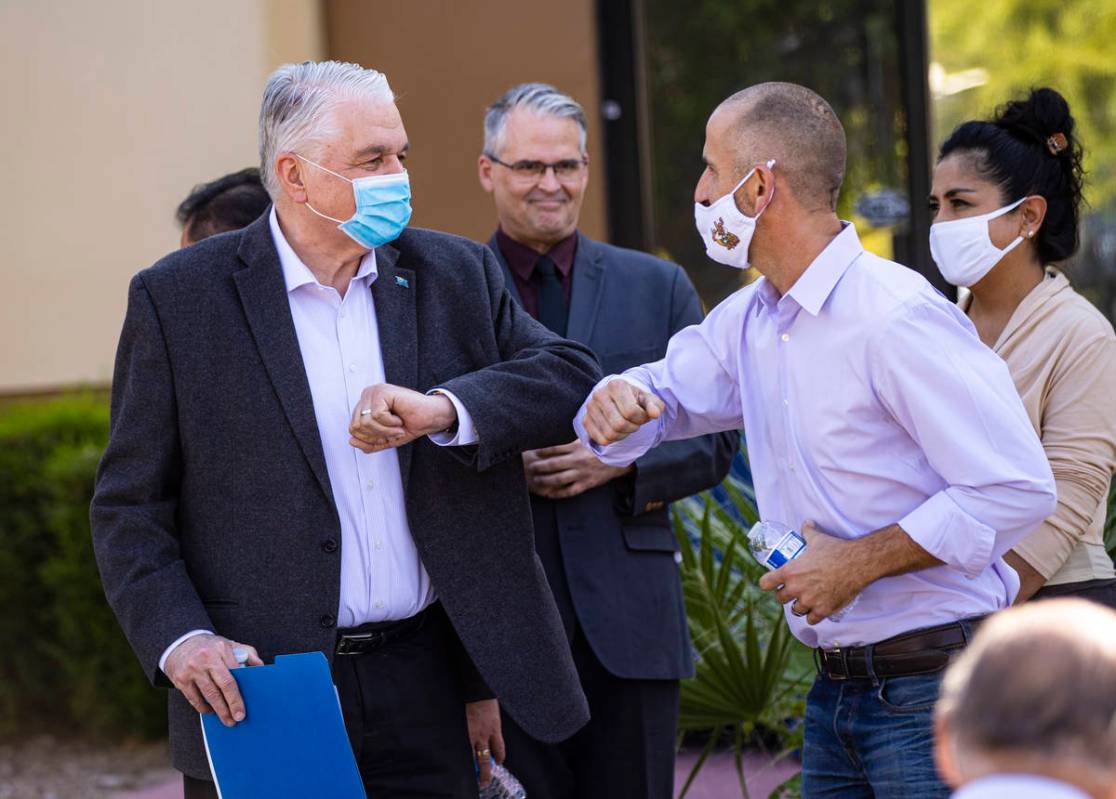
{"x":402,"y":281}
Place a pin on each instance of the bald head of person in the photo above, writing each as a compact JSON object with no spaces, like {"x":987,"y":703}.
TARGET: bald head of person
{"x":791,"y":143}
{"x":1034,"y":694}
{"x":792,"y":125}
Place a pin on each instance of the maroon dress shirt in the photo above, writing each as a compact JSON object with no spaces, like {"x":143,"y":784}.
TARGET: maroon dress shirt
{"x":521,"y":260}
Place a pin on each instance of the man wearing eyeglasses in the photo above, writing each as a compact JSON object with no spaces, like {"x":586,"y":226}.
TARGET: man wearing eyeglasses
{"x":602,"y":533}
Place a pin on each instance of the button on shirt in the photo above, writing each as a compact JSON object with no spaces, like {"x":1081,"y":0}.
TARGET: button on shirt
{"x":866,"y":399}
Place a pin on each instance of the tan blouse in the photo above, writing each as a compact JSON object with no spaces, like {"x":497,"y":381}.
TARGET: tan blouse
{"x":1061,"y":353}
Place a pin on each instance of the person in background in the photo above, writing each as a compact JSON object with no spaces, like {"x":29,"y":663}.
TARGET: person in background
{"x":227,"y":203}
{"x":1028,"y":711}
{"x":1006,"y":199}
{"x":875,"y":419}
{"x":603,"y":533}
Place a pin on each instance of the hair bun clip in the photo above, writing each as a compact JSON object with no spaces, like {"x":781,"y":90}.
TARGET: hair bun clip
{"x":1057,"y":143}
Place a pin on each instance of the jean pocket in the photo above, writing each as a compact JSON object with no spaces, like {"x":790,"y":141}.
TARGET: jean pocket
{"x":916,"y":694}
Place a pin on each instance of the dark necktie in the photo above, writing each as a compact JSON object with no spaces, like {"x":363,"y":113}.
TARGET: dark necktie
{"x":552,"y":299}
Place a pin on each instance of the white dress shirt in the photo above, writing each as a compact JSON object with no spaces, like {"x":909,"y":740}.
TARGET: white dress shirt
{"x":382,"y":576}
{"x":866,"y":399}
{"x":1018,"y":786}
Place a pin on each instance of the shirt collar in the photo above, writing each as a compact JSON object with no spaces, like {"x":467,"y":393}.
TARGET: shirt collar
{"x":813,"y":288}
{"x":296,"y":273}
{"x":522,"y":259}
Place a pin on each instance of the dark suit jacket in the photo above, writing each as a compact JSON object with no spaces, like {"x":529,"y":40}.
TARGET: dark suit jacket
{"x":609,"y":553}
{"x":213,"y":508}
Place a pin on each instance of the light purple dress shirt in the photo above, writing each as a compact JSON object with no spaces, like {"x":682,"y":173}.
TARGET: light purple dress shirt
{"x":866,"y":399}
{"x":382,"y":576}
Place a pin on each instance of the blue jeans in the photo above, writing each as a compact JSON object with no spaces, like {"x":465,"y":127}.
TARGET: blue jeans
{"x":871,"y":738}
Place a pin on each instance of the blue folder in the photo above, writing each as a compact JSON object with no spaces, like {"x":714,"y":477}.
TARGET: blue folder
{"x":292,"y":742}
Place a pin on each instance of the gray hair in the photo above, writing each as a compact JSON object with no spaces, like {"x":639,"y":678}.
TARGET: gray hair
{"x":298,"y":102}
{"x":541,"y":98}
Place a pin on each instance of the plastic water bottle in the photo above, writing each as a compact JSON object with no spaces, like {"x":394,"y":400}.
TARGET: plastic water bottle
{"x":503,"y":786}
{"x":774,"y":543}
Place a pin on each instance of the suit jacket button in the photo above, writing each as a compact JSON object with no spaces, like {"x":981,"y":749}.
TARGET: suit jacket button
{"x":329,"y":545}
{"x":327,"y":620}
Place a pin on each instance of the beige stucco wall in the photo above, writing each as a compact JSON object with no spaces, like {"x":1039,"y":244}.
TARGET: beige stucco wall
{"x":447,"y":60}
{"x":112,"y":111}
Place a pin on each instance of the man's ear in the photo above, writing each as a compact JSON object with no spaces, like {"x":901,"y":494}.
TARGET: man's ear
{"x":484,"y":172}
{"x":755,"y":195}
{"x":764,"y":191}
{"x":288,"y":169}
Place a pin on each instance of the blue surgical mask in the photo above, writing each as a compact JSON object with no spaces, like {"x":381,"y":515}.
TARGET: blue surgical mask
{"x":383,"y":207}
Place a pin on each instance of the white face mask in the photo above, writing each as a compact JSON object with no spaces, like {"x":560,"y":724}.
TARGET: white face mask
{"x":727,"y":233}
{"x":963,"y":248}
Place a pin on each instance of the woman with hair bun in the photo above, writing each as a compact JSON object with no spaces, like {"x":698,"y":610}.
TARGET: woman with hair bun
{"x":1005,"y":201}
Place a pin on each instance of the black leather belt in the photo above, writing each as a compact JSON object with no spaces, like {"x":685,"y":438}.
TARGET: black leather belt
{"x":917,"y":652}
{"x":373,"y":635}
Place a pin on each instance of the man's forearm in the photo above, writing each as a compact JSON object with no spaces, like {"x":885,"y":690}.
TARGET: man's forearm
{"x":888,"y":552}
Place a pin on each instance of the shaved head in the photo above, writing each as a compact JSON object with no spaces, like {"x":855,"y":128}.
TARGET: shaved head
{"x":796,"y":127}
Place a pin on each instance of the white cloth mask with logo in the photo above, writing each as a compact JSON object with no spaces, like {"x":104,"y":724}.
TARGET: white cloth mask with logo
{"x":727,"y":233}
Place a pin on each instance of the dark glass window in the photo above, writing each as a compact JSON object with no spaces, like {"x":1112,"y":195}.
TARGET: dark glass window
{"x":697,"y":53}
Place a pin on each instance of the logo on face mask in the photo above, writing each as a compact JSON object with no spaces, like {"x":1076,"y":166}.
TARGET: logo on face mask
{"x":722,"y":236}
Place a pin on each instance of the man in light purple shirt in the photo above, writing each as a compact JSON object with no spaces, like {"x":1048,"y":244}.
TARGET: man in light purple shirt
{"x":872,"y":412}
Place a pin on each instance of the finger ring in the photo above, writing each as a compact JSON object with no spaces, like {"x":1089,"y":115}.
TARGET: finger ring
{"x":366,"y":412}
{"x":484,"y":752}
{"x":796,"y":611}
{"x":241,"y":655}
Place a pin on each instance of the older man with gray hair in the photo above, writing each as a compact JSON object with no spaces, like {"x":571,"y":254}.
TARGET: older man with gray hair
{"x":1029,"y":710}
{"x":316,"y":428}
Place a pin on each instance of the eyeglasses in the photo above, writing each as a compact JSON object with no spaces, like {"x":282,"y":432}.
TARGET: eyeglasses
{"x":566,"y":169}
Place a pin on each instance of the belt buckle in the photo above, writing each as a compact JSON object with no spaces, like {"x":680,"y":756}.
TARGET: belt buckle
{"x":355,"y":644}
{"x":843,"y":655}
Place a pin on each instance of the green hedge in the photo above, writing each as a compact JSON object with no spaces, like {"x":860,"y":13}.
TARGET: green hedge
{"x":64,"y":664}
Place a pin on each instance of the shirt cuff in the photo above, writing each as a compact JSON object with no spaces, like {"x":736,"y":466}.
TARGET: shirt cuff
{"x":466,"y":432}
{"x":950,"y":534}
{"x":172,"y":647}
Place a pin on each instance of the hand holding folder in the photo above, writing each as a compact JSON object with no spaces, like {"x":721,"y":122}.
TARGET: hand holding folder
{"x":292,"y":742}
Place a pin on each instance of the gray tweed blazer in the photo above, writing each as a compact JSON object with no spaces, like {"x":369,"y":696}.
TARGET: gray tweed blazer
{"x":213,"y":508}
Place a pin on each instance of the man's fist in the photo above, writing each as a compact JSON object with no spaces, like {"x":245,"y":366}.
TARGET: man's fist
{"x":389,"y":416}
{"x":617,"y":409}
{"x":199,"y":668}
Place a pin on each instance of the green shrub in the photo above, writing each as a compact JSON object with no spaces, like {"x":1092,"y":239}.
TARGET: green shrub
{"x":751,"y":672}
{"x":64,"y":664}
